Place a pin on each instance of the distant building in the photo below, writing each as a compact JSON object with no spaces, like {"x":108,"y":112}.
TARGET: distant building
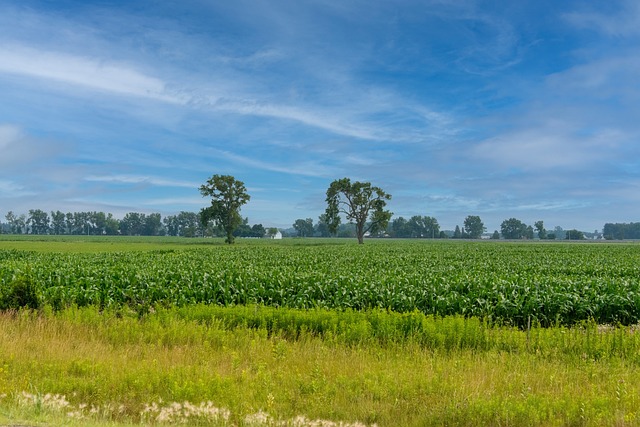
{"x":273,"y":233}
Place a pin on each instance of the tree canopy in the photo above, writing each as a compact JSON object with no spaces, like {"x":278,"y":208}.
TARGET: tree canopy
{"x":513,"y":228}
{"x":474,"y":227}
{"x":362,"y":203}
{"x":227,"y":197}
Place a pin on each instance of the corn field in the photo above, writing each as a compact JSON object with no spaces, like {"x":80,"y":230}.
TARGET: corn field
{"x":505,"y":283}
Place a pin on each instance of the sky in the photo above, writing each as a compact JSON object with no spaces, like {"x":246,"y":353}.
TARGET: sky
{"x":526,"y":109}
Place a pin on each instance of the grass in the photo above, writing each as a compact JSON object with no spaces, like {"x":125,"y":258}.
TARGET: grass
{"x":256,"y":365}
{"x":109,"y":366}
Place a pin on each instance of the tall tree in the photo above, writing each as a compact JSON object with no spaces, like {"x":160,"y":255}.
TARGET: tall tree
{"x":424,"y":227}
{"x":542,"y":233}
{"x":474,"y":227}
{"x":400,"y":227}
{"x":304,"y":227}
{"x":513,"y":228}
{"x":321,"y":227}
{"x":152,"y":225}
{"x":132,"y":224}
{"x":227,"y":197}
{"x":39,"y":221}
{"x":58,"y":225}
{"x":361,"y":203}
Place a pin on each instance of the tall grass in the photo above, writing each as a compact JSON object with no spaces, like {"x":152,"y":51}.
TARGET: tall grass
{"x":370,"y":367}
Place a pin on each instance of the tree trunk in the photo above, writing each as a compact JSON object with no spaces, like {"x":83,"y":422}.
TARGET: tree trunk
{"x":230,"y":237}
{"x":360,"y":233}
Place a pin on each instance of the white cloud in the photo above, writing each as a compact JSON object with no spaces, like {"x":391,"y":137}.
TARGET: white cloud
{"x":141,"y":179}
{"x":83,"y":71}
{"x":296,"y":168}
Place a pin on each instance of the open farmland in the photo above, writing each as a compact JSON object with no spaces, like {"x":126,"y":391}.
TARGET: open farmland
{"x":136,"y":331}
{"x":506,"y":283}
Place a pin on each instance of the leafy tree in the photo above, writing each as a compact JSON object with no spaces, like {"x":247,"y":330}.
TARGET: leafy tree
{"x":424,"y":226}
{"x":513,"y":228}
{"x":132,"y":224}
{"x":542,"y":233}
{"x":58,"y":225}
{"x":227,"y":197}
{"x":152,"y":224}
{"x":185,"y":224}
{"x":361,"y":203}
{"x":38,"y":221}
{"x":457,"y":234}
{"x":574,"y":235}
{"x":495,"y":235}
{"x":321,"y":228}
{"x":304,"y":227}
{"x":258,"y":230}
{"x":621,"y":231}
{"x":560,"y":233}
{"x":271,"y":232}
{"x":474,"y":227}
{"x":111,"y":225}
{"x":17,"y":223}
{"x":400,"y":227}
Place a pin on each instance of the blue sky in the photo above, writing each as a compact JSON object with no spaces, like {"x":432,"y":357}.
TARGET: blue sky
{"x":501,"y":109}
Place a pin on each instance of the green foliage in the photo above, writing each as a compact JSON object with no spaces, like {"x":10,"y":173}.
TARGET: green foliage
{"x":474,"y":227}
{"x":361,"y":203}
{"x":227,"y":197}
{"x":504,"y":283}
{"x":19,"y":292}
{"x":513,"y":228}
{"x":304,"y":227}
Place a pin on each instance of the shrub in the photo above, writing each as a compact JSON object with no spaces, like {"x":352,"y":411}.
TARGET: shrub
{"x":19,"y":293}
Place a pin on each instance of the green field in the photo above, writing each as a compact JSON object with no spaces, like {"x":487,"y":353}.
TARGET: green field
{"x":505,"y":283}
{"x":130,"y":331}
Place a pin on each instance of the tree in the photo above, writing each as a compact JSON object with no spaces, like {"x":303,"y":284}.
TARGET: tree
{"x":16,"y":223}
{"x":474,"y":227}
{"x":457,"y":234}
{"x":425,"y":226}
{"x":574,"y":235}
{"x":304,"y":227}
{"x":132,"y":224}
{"x":321,"y":227}
{"x":227,"y":197}
{"x":39,"y":221}
{"x":400,"y":227}
{"x":542,"y":233}
{"x":57,"y":222}
{"x":361,"y":203}
{"x":513,"y":228}
{"x":495,"y":235}
{"x":152,"y":224}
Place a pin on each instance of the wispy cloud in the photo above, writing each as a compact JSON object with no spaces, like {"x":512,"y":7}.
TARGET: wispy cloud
{"x":619,"y":22}
{"x":312,"y":169}
{"x":93,"y":73}
{"x":140,"y":179}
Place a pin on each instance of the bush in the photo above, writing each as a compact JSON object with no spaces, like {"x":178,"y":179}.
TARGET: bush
{"x":20,"y":293}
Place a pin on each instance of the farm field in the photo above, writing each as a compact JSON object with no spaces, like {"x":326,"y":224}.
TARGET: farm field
{"x":131,"y":331}
{"x":504,"y":283}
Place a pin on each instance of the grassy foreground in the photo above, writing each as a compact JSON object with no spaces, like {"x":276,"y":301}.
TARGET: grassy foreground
{"x":242,"y":366}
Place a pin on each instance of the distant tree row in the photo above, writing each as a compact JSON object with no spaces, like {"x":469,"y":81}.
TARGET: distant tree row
{"x":362,"y":204}
{"x":621,"y":231}
{"x":186,"y":224}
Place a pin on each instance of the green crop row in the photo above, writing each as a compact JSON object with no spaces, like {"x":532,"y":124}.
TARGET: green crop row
{"x":515,"y":284}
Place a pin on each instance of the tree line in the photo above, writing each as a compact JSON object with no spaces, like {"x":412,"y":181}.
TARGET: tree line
{"x":185,"y":224}
{"x":360,"y":203}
